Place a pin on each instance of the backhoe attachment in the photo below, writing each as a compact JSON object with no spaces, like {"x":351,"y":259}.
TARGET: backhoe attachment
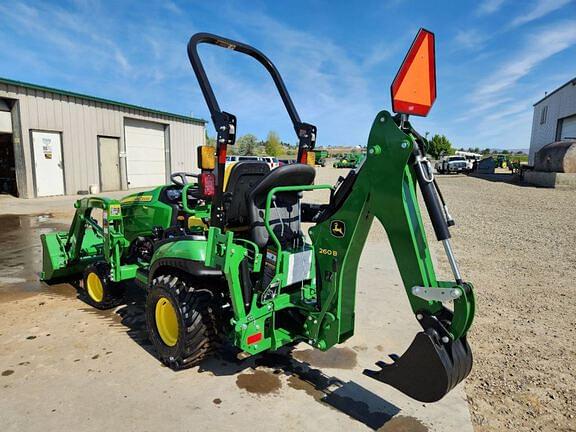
{"x":384,"y":187}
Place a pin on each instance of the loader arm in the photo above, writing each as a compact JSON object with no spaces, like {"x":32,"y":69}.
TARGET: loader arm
{"x":67,"y":254}
{"x":384,"y":187}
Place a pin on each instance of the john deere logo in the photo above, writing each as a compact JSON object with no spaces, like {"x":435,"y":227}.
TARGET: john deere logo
{"x":337,"y":228}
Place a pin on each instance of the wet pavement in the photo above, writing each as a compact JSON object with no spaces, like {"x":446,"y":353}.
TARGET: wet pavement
{"x":21,"y":256}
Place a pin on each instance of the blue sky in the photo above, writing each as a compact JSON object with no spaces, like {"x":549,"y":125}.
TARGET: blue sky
{"x":495,"y":58}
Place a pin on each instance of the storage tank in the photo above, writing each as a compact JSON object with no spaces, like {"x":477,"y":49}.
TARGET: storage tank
{"x":559,"y":156}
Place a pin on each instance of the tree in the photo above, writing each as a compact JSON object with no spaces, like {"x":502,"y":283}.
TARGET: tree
{"x":273,"y":146}
{"x":210,"y":141}
{"x":505,"y":152}
{"x":439,"y":145}
{"x":247,"y":145}
{"x":486,"y":151}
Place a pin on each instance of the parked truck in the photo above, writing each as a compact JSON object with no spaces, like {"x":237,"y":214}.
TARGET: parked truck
{"x":452,"y":164}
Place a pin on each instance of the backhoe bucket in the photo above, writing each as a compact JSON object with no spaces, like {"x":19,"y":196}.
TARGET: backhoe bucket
{"x":428,"y":369}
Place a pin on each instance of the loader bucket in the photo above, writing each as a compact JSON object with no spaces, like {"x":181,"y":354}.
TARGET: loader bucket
{"x":428,"y":369}
{"x":54,"y":257}
{"x":59,"y":262}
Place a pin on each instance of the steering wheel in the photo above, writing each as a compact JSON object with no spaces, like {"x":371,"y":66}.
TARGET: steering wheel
{"x":179,"y":178}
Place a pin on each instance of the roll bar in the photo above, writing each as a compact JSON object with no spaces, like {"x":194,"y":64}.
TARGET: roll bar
{"x":305,"y":132}
{"x":225,"y":123}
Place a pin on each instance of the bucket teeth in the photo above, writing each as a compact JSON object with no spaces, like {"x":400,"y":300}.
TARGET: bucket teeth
{"x":428,"y":369}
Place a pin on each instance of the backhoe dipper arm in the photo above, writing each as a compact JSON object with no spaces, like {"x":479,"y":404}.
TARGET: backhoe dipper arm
{"x":385,"y":188}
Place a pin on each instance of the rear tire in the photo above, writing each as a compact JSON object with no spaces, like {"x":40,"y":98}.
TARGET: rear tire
{"x":98,"y":290}
{"x":180,"y":321}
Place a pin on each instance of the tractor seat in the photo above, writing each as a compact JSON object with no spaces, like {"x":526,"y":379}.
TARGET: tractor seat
{"x":285,"y":209}
{"x":243,"y":177}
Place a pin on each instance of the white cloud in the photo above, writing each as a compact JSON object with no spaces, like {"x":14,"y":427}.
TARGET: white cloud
{"x":75,"y":34}
{"x":172,"y":7}
{"x":501,"y":103}
{"x":122,"y":61}
{"x":470,"y":39}
{"x":540,"y":46}
{"x":379,"y":54}
{"x":488,"y":7}
{"x":540,"y":8}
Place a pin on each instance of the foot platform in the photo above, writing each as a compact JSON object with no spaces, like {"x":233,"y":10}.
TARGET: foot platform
{"x":429,"y":369}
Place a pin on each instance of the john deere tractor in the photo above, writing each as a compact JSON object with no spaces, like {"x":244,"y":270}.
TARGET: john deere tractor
{"x":320,"y":157}
{"x":349,"y":160}
{"x":225,"y":259}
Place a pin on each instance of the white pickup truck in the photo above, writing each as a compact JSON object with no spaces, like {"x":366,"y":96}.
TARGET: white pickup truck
{"x":452,"y":164}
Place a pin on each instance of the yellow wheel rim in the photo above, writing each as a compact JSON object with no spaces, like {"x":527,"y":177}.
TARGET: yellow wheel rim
{"x":94,"y":287}
{"x":166,"y":321}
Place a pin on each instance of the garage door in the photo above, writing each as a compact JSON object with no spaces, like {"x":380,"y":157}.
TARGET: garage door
{"x":145,"y":153}
{"x":568,"y":128}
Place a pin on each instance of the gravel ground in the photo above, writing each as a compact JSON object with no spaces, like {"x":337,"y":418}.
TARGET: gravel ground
{"x":517,"y":245}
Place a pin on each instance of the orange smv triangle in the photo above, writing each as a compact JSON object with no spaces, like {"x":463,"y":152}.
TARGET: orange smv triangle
{"x":414,"y":88}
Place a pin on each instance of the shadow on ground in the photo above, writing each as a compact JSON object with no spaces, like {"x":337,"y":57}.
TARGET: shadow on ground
{"x":260,"y":374}
{"x":502,"y":178}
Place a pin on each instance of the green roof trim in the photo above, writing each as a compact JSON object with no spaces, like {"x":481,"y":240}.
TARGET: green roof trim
{"x":98,"y":99}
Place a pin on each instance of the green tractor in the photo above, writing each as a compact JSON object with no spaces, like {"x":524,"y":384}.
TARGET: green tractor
{"x":349,"y":160}
{"x":502,"y":161}
{"x":225,"y":260}
{"x":320,"y":157}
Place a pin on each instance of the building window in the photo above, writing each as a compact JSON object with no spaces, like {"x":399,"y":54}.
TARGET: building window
{"x":544,"y":114}
{"x":559,"y":130}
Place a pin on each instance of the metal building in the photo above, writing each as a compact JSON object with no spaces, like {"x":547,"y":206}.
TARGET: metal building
{"x":554,"y":118}
{"x":55,"y":142}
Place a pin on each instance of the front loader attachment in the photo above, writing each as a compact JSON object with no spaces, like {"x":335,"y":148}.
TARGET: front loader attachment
{"x":429,"y":369}
{"x":66,"y":254}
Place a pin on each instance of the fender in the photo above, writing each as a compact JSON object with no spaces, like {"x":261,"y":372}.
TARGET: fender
{"x":187,"y":254}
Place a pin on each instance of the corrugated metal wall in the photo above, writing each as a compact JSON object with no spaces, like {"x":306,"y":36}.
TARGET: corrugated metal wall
{"x":560,"y":104}
{"x":81,"y":121}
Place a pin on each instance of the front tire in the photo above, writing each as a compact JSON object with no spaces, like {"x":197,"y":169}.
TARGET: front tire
{"x":180,"y":321}
{"x":98,"y":290}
